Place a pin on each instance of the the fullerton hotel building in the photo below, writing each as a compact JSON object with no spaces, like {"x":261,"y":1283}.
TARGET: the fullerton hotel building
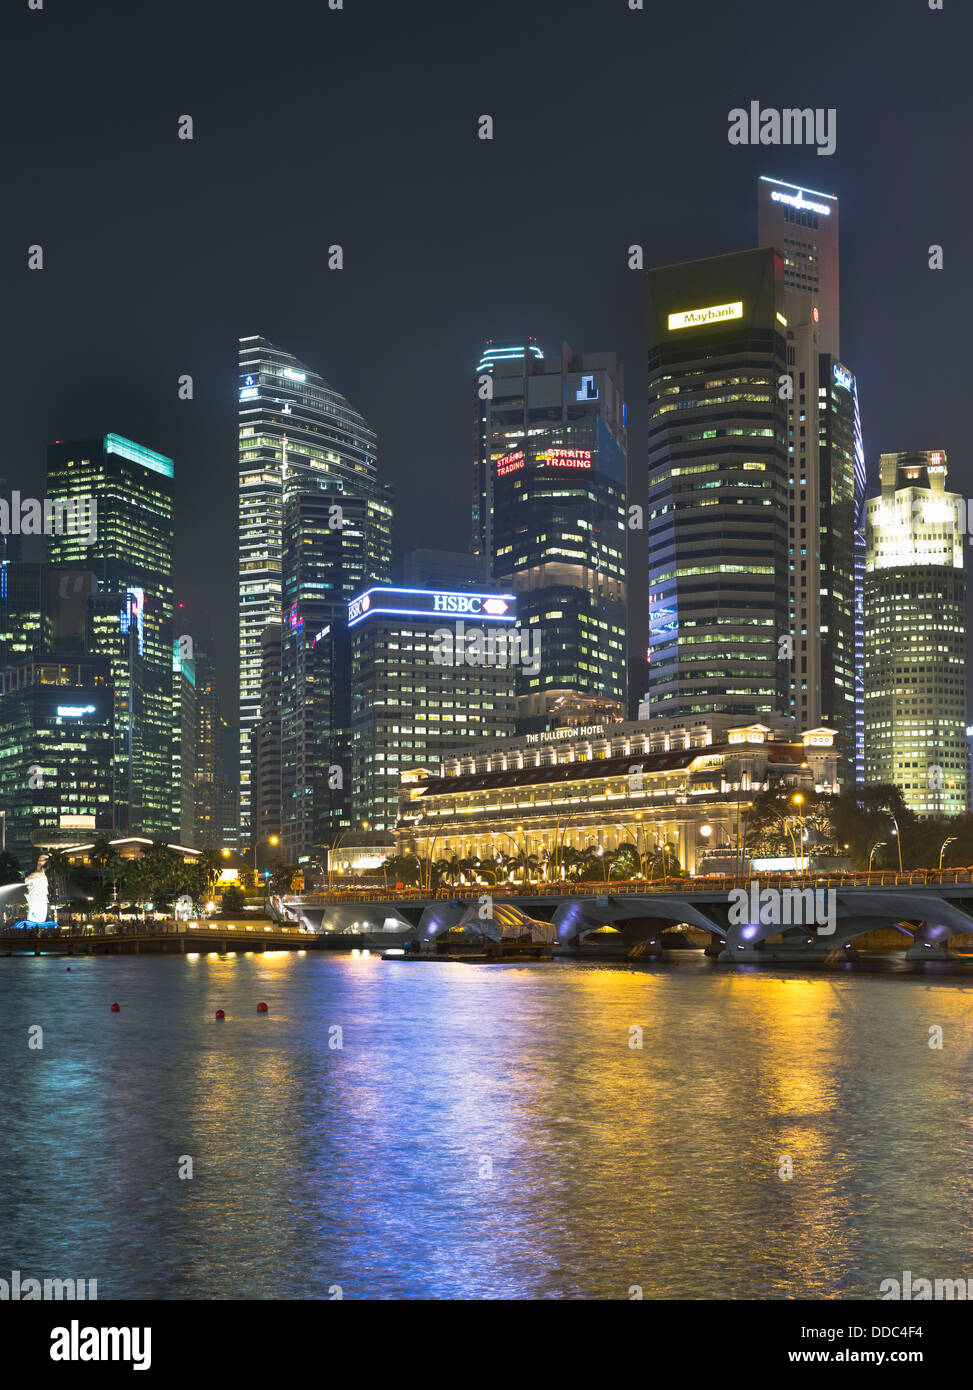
{"x":681,"y":784}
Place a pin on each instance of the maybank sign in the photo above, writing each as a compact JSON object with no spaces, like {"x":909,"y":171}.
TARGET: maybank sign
{"x":715,"y":313}
{"x":501,"y":608}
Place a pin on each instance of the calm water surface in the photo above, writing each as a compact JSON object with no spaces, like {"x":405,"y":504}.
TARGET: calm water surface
{"x":369,"y":1167}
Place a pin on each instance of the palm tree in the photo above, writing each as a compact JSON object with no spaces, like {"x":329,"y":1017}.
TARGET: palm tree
{"x":58,"y":870}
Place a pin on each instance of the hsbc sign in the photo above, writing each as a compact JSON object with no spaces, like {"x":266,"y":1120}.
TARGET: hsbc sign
{"x":470,"y":603}
{"x":501,"y":608}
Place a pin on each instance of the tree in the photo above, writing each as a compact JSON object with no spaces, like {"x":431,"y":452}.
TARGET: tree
{"x":282,"y":876}
{"x":627,"y":862}
{"x":59,"y":870}
{"x":10,"y":871}
{"x":406,"y":869}
{"x":233,"y":898}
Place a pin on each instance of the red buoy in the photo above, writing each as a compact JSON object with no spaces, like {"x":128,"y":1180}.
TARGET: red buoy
{"x":261,"y":1008}
{"x":220,"y":1013}
{"x":67,"y":967}
{"x":115,"y":1008}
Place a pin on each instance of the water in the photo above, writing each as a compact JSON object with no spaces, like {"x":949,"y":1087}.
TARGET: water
{"x":367,"y":1168}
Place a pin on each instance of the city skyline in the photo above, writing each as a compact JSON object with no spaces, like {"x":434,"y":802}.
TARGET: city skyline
{"x":194,"y":286}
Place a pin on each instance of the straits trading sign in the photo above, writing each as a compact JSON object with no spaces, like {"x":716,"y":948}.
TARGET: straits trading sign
{"x":430,"y":603}
{"x":714,"y":313}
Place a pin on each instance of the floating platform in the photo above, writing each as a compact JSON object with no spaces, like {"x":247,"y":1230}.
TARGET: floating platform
{"x":491,"y":953}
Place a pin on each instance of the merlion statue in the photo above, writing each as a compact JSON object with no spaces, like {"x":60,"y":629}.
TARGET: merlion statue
{"x":36,"y":885}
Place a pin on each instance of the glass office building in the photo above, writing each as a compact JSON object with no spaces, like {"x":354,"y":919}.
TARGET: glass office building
{"x":293,"y":425}
{"x":128,"y":551}
{"x":549,"y":489}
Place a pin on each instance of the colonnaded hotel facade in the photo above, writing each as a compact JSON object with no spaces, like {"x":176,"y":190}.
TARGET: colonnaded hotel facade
{"x":655,"y":784}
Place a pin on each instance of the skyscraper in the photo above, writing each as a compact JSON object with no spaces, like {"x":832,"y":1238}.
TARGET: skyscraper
{"x":56,"y":747}
{"x":431,"y":673}
{"x":827,"y":476}
{"x":291,"y":422}
{"x":129,"y":619}
{"x":915,"y":635}
{"x":803,"y":226}
{"x":550,"y":467}
{"x":334,"y":544}
{"x":717,"y":516}
{"x":265,"y":742}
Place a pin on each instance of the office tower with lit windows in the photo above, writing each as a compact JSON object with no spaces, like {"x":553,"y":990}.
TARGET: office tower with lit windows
{"x":187,"y":727}
{"x":549,"y":489}
{"x":202,"y":776}
{"x":719,"y":468}
{"x":56,"y":751}
{"x":827,"y":477}
{"x":127,"y":558}
{"x":293,"y":426}
{"x":24,"y":619}
{"x":432,"y":673}
{"x":265,"y":742}
{"x":329,"y":555}
{"x":915,"y":635}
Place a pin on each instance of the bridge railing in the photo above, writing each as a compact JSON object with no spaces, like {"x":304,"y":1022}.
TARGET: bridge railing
{"x":710,"y":883}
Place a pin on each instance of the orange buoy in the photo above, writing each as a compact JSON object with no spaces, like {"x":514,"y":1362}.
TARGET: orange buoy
{"x":115,"y":1008}
{"x":261,"y":1008}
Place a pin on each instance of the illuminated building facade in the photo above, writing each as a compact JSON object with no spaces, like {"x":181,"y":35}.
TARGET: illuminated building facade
{"x":56,"y":746}
{"x":24,"y":620}
{"x":680,"y":786}
{"x":827,"y":473}
{"x":719,"y":468}
{"x":550,"y":461}
{"x":130,"y":617}
{"x":329,"y":556}
{"x":293,"y":425}
{"x":430,"y":673}
{"x":915,"y":635}
{"x":265,"y":742}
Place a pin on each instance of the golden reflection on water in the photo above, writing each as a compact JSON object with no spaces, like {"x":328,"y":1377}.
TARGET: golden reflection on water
{"x":443,"y":1130}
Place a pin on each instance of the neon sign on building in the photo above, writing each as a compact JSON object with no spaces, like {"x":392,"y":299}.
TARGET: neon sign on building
{"x":566,"y":458}
{"x":510,"y":463}
{"x":713,"y":313}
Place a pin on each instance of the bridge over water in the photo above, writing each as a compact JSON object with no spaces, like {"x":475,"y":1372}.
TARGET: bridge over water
{"x":924,"y":915}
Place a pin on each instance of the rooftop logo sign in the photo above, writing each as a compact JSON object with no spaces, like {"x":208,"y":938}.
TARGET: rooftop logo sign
{"x":715,"y":313}
{"x":798,"y":200}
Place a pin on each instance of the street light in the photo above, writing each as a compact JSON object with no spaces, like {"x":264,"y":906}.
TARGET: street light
{"x":879,"y":844}
{"x":798,"y":800}
{"x":942,"y":851}
{"x":898,"y":837}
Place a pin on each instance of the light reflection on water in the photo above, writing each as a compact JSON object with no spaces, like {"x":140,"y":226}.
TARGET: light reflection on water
{"x":364,"y":1167}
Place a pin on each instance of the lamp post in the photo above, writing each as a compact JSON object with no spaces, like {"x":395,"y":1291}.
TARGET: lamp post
{"x":946,"y":842}
{"x":898,"y":837}
{"x":514,"y":842}
{"x":879,"y":844}
{"x":798,"y":800}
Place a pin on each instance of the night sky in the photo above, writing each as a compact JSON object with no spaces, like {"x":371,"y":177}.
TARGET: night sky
{"x":358,"y":127}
